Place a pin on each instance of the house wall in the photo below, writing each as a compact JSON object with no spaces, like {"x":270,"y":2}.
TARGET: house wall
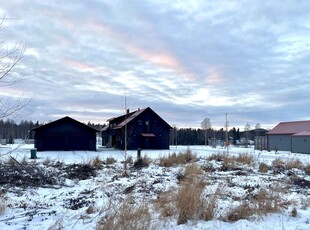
{"x":146,"y":122}
{"x":301,"y":144}
{"x":280,"y":142}
{"x":65,"y":136}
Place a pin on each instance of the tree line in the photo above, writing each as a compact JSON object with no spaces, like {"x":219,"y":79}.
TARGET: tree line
{"x":192,"y":136}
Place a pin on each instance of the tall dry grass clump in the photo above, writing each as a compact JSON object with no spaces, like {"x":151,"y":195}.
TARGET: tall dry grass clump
{"x":3,"y":205}
{"x":175,"y":159}
{"x":188,"y":202}
{"x":127,"y":216}
{"x":296,"y":164}
{"x":259,"y":204}
{"x":263,"y":167}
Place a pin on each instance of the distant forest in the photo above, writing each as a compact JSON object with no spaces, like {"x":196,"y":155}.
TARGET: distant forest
{"x":190,"y":136}
{"x":10,"y":130}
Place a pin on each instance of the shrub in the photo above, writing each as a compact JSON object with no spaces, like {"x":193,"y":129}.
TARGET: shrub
{"x":263,"y":168}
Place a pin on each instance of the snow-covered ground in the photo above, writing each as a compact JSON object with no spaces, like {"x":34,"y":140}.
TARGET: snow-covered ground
{"x":80,"y":204}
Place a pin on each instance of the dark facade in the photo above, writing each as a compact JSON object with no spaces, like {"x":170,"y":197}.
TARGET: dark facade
{"x":145,"y":130}
{"x":65,"y":134}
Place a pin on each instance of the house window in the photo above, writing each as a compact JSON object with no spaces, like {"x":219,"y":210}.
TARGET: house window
{"x":155,"y":123}
{"x":147,"y":124}
{"x":140,"y":122}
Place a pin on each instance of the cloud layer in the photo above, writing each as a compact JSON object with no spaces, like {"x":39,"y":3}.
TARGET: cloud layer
{"x":186,"y":59}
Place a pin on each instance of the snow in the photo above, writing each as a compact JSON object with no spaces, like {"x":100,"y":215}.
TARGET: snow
{"x":62,"y":206}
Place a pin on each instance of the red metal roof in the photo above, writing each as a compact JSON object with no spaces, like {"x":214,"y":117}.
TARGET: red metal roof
{"x":293,"y":127}
{"x":302,"y":134}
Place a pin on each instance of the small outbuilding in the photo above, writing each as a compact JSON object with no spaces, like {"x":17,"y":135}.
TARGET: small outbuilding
{"x":290,"y":136}
{"x":141,"y":129}
{"x":65,"y":134}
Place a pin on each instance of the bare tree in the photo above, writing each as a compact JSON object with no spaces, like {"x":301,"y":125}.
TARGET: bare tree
{"x":247,"y":128}
{"x":10,"y":56}
{"x":206,"y":126}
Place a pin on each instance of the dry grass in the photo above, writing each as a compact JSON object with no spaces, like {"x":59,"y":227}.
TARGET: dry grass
{"x":47,"y":161}
{"x":110,"y":161}
{"x":242,"y":158}
{"x":57,"y":225}
{"x":188,"y":202}
{"x":307,"y":169}
{"x":127,"y":216}
{"x":192,"y":170}
{"x":260,"y":204}
{"x":216,"y":157}
{"x":296,"y":164}
{"x":263,"y":168}
{"x":90,"y":210}
{"x":175,"y":159}
{"x":96,"y":162}
{"x":278,"y":164}
{"x":245,"y":159}
{"x":3,"y":206}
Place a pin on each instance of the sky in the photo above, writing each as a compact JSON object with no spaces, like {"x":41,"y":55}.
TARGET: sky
{"x":187,"y":60}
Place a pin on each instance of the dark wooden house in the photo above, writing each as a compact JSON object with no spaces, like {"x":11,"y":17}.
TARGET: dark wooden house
{"x":65,"y":134}
{"x":145,"y":130}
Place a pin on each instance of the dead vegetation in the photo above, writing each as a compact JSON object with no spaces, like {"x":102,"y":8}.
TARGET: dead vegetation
{"x":127,"y":216}
{"x":265,"y":201}
{"x":176,"y":159}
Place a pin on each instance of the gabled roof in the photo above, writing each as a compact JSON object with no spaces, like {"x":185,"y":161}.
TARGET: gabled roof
{"x":291,"y":128}
{"x":64,"y":119}
{"x":126,"y":119}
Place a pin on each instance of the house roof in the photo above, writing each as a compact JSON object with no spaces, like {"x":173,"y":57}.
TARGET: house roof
{"x":64,"y":119}
{"x":131,"y":116}
{"x":302,"y":134}
{"x":293,"y":127}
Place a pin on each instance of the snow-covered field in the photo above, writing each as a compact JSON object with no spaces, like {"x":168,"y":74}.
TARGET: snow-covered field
{"x":74,"y":203}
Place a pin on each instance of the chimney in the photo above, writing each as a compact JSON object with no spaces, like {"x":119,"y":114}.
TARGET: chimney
{"x":127,"y":111}
{"x":138,"y":109}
